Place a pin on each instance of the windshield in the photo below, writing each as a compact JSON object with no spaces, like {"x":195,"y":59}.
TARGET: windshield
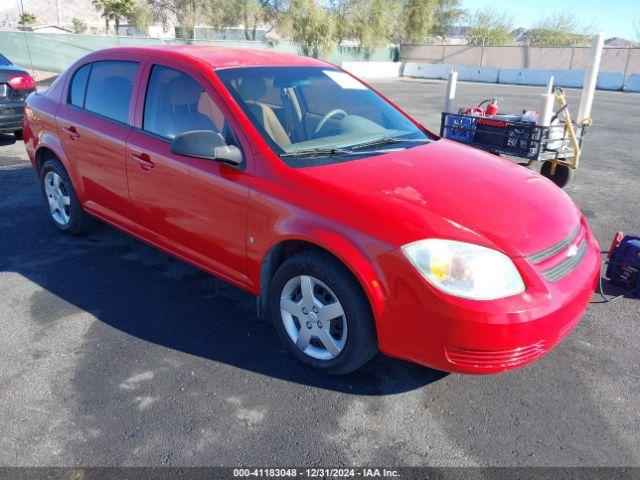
{"x":4,"y":61}
{"x":314,"y":115}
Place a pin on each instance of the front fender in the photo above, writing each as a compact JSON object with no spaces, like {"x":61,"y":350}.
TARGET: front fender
{"x":357,"y":254}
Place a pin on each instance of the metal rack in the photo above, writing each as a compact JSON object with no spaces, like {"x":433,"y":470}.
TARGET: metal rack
{"x":515,"y":138}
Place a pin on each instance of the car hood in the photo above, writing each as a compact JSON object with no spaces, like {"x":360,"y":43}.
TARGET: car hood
{"x":448,"y":190}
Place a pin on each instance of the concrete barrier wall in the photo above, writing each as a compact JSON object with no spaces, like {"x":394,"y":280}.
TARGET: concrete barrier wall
{"x":562,"y":78}
{"x":610,"y":81}
{"x":422,"y":53}
{"x":514,"y":76}
{"x":465,"y":73}
{"x":634,"y":62}
{"x":461,"y":55}
{"x":613,"y":59}
{"x":522,"y":56}
{"x":526,"y":76}
{"x":373,"y":69}
{"x":633,"y":83}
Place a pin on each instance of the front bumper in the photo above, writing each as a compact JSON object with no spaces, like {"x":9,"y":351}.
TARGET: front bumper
{"x":425,"y":326}
{"x":11,"y":117}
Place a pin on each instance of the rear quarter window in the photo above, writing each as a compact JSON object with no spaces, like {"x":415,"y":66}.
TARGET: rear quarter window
{"x":110,"y":87}
{"x":79,"y":85}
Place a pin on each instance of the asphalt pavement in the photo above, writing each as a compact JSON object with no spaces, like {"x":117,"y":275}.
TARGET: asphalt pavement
{"x":112,"y":353}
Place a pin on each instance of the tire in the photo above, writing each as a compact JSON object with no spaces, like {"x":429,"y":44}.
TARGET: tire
{"x":563,"y":176}
{"x":65,"y":210}
{"x":18,"y":134}
{"x":353,"y":333}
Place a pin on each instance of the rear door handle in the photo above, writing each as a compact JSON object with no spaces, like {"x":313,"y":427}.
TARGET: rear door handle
{"x":143,"y":160}
{"x":72,"y":132}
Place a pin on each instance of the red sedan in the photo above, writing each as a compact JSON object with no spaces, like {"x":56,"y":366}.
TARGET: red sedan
{"x":357,"y":228}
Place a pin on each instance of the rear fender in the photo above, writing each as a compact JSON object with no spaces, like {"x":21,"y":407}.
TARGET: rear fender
{"x":48,"y":140}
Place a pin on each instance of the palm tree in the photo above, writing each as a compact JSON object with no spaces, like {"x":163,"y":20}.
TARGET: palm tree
{"x":106,"y":7}
{"x":26,"y":19}
{"x":119,"y":9}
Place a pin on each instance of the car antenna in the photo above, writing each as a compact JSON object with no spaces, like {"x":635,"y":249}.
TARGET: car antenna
{"x":26,"y":41}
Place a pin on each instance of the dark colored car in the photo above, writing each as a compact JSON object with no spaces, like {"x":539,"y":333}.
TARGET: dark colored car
{"x":15,"y":86}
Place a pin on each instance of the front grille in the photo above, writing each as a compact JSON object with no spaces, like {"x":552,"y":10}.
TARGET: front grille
{"x":564,"y":268}
{"x":494,"y":358}
{"x":549,"y":252}
{"x":559,"y":257}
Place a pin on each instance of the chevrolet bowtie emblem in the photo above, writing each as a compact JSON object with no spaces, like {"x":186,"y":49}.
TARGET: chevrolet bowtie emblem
{"x":572,"y":251}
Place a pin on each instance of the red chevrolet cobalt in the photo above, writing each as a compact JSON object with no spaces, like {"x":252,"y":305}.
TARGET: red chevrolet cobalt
{"x":357,"y":228}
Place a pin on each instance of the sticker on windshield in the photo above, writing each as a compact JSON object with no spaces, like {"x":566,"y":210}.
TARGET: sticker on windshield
{"x":345,"y":81}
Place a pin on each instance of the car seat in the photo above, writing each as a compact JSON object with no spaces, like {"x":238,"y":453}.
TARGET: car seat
{"x":252,"y":90}
{"x":181,"y":114}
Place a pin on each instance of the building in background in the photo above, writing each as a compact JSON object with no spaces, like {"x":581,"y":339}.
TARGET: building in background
{"x":153,"y":31}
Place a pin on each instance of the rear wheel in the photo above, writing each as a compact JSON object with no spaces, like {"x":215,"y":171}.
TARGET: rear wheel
{"x":322,"y":314}
{"x":561,"y":177}
{"x":18,"y":134}
{"x":65,"y":210}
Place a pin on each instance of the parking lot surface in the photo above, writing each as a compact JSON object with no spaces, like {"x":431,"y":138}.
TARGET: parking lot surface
{"x":113,"y":353}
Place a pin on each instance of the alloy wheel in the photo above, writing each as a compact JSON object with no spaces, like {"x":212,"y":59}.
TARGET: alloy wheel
{"x":58,"y":198}
{"x":313,"y":317}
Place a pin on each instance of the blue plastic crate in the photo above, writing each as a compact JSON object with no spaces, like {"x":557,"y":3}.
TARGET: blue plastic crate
{"x":461,"y":128}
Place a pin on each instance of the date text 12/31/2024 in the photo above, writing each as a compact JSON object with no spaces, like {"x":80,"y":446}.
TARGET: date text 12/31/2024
{"x":315,"y":473}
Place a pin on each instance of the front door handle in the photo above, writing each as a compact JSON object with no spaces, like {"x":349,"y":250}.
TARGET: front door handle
{"x":72,"y":132}
{"x":143,"y":160}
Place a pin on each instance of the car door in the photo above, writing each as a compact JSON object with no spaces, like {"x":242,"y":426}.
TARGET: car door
{"x":94,"y":123}
{"x":196,"y":208}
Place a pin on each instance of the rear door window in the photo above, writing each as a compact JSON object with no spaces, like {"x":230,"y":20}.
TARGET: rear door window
{"x":79,"y":86}
{"x":110,"y":87}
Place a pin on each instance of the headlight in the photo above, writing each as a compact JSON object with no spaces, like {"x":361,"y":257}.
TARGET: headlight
{"x":465,"y":270}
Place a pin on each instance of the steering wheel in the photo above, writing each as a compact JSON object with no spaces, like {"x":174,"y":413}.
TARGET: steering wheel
{"x":327,"y":116}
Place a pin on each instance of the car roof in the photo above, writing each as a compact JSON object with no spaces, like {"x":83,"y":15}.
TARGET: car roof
{"x":222,"y":57}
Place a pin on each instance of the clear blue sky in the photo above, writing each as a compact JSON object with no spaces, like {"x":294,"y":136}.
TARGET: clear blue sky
{"x":613,"y":17}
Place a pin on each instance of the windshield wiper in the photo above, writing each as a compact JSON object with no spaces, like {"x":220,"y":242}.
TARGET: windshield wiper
{"x":388,"y":140}
{"x":315,"y":152}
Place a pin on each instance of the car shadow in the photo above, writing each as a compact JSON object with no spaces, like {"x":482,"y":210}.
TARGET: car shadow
{"x":144,"y":293}
{"x":608,"y":291}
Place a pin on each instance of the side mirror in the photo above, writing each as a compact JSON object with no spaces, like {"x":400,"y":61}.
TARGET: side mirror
{"x":208,"y":145}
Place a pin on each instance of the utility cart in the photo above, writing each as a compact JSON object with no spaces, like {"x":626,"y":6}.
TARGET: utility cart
{"x":557,"y":146}
{"x":549,"y":137}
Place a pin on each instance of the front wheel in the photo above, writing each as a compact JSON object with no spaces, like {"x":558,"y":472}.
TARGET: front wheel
{"x":561,"y":177}
{"x":322,"y":314}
